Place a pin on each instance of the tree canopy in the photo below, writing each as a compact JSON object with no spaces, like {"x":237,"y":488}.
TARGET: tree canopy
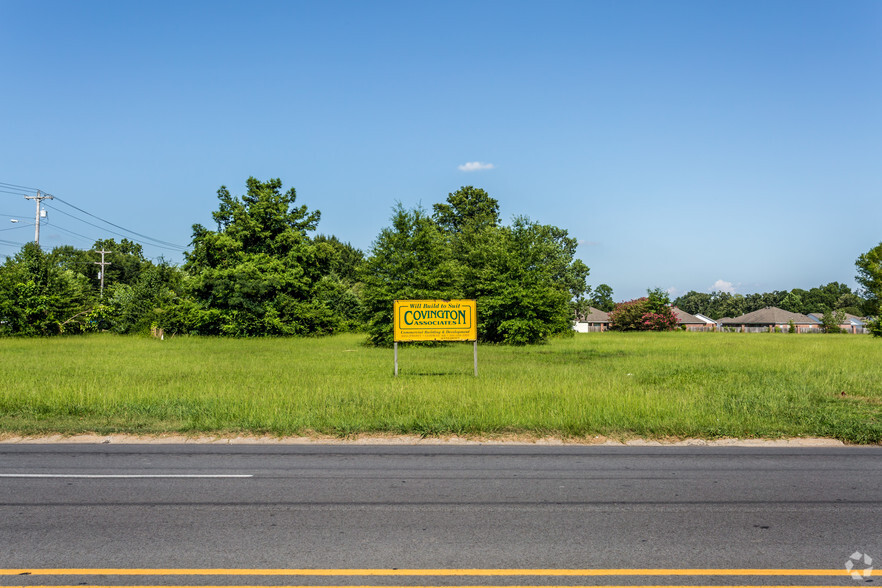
{"x":602,"y":298}
{"x":257,"y":273}
{"x":263,"y":270}
{"x":716,"y":305}
{"x":523,"y":276}
{"x":651,"y":313}
{"x":869,"y":276}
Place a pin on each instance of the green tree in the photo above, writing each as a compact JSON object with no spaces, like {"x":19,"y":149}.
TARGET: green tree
{"x":340,"y":287}
{"x":37,"y":297}
{"x":126,"y":260}
{"x":524,"y":278}
{"x":650,"y":313}
{"x":728,"y":305}
{"x":831,"y":321}
{"x":869,"y":276}
{"x":850,"y":303}
{"x":468,"y":208}
{"x":409,"y":260}
{"x":792,"y":302}
{"x":68,"y":257}
{"x":338,"y":258}
{"x":822,"y":298}
{"x":658,"y":299}
{"x":257,"y":274}
{"x":602,"y":298}
{"x":135,"y":308}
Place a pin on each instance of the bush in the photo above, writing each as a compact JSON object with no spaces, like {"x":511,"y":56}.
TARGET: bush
{"x":639,"y":315}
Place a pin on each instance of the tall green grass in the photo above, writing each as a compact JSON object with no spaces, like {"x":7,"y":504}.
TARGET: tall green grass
{"x":652,"y":385}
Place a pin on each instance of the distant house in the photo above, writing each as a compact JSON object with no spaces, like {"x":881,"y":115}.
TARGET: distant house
{"x":852,"y":324}
{"x":691,"y":322}
{"x":769,"y":318}
{"x":596,"y":321}
{"x":711,"y":323}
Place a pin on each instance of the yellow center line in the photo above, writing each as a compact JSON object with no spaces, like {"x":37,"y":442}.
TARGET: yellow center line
{"x":477,"y":586}
{"x":416,"y":572}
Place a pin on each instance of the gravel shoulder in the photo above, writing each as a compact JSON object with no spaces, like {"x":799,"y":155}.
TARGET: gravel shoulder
{"x":416,"y":440}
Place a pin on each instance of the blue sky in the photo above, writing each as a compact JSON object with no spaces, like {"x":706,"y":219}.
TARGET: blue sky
{"x":687,"y":145}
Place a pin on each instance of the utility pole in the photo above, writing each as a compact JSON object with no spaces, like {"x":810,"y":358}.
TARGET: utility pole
{"x":102,"y":263}
{"x":40,"y":197}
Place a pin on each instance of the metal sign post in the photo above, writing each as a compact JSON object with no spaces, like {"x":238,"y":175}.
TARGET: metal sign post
{"x":435,"y":320}
{"x":476,"y":358}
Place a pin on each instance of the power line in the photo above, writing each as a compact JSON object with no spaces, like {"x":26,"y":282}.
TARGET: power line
{"x":166,"y":243}
{"x":87,"y":222}
{"x":172,"y":247}
{"x":7,"y":184}
{"x":20,"y":226}
{"x":4,"y":187}
{"x":63,"y":230}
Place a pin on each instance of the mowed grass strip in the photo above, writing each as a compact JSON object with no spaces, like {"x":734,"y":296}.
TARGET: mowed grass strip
{"x":654,"y":385}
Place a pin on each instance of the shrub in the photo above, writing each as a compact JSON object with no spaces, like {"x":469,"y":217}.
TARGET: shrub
{"x":639,"y":315}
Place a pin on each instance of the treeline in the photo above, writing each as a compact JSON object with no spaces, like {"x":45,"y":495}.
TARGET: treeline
{"x":262,"y":272}
{"x":832,"y":297}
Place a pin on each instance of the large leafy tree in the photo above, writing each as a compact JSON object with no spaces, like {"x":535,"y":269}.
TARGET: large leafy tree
{"x":467,"y":209}
{"x":602,"y":298}
{"x":833,"y":296}
{"x":340,"y":286}
{"x":126,"y":261}
{"x":869,"y":276}
{"x":37,"y":297}
{"x":793,"y":301}
{"x":410,"y":260}
{"x":257,"y":273}
{"x":135,"y":307}
{"x":523,"y":276}
{"x":650,"y":313}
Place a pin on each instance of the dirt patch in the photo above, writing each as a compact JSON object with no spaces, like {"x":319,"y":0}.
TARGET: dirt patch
{"x":375,"y":439}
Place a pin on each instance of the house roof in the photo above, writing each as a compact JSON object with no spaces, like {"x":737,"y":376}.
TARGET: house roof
{"x":706,"y":319}
{"x":770,"y":315}
{"x":849,"y":318}
{"x":684,"y":318}
{"x":594,"y":316}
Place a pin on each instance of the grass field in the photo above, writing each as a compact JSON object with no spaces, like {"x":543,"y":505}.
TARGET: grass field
{"x":654,"y":385}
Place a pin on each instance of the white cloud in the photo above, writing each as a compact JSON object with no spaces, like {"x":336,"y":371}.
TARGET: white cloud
{"x":475,"y":166}
{"x":674,"y":292}
{"x":723,"y":286}
{"x":588,"y":243}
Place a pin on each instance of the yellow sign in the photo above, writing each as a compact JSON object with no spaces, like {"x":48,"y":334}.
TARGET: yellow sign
{"x":435,"y":320}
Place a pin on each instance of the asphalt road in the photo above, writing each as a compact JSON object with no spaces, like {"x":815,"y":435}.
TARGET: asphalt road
{"x":198,"y":507}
